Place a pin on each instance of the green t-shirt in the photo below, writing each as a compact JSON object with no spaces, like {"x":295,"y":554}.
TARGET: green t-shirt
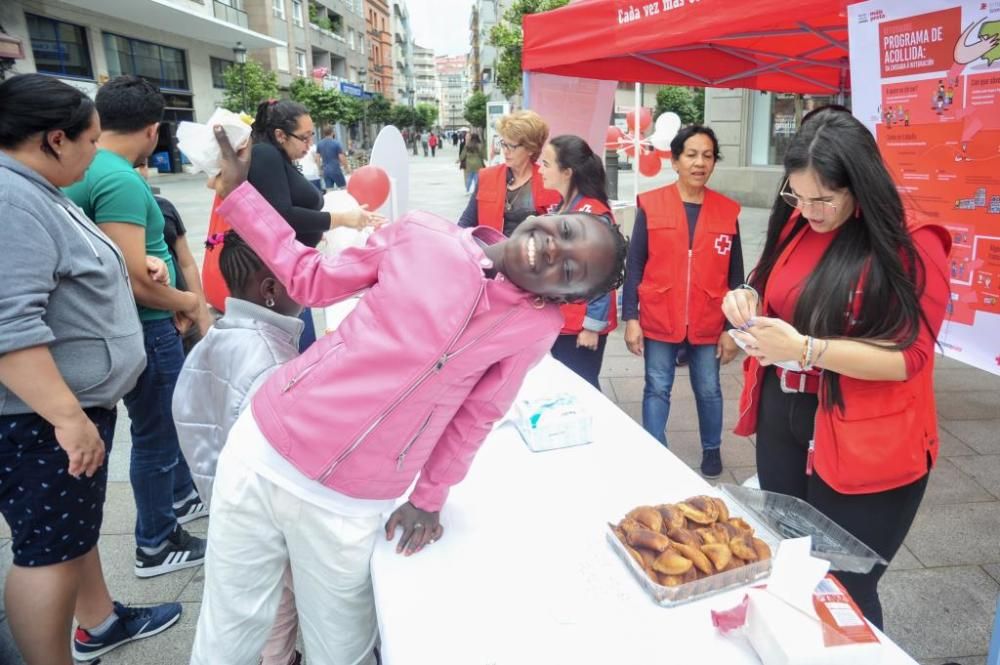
{"x":111,"y":191}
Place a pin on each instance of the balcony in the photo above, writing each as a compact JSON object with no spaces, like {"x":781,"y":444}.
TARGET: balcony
{"x":327,"y":40}
{"x":230,"y":14}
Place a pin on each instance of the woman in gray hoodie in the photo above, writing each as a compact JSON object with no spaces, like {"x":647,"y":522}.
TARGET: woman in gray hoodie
{"x":70,"y":347}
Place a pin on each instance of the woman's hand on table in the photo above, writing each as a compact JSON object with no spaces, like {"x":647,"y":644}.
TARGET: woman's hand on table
{"x":588,"y":339}
{"x":235,"y":164}
{"x":771,"y":340}
{"x":740,"y":307}
{"x":79,"y":437}
{"x":633,"y":336}
{"x":419,"y":527}
{"x":726,"y":349}
{"x":359,"y":218}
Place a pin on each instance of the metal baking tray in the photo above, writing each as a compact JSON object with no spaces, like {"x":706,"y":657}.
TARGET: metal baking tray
{"x":774,"y":517}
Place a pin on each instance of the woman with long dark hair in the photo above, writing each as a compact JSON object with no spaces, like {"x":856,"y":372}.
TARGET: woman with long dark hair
{"x":282,"y":133}
{"x":570,"y":167}
{"x":840,"y":319}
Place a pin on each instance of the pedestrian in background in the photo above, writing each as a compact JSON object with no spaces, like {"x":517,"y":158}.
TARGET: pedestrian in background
{"x":471,"y":161}
{"x":71,"y":346}
{"x":334,"y":161}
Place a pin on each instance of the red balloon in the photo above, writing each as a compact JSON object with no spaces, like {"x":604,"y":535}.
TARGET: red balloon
{"x":664,"y":154}
{"x":649,"y":163}
{"x":645,"y":119}
{"x":612,"y":137}
{"x":369,"y":185}
{"x":627,"y":144}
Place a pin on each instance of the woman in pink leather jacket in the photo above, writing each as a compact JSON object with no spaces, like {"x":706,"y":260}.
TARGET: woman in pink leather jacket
{"x":408,"y":386}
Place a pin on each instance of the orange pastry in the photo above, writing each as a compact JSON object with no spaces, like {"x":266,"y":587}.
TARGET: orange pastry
{"x":742,"y":546}
{"x":762,"y":549}
{"x":651,"y":540}
{"x":719,"y":554}
{"x":670,"y":562}
{"x":723,"y":509}
{"x":697,"y":557}
{"x":672,"y":517}
{"x":685,"y":537}
{"x":647,"y":516}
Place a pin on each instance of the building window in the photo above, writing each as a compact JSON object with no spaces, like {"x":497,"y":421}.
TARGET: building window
{"x":300,"y":63}
{"x":774,"y":120}
{"x":278,"y":8}
{"x":219,"y":67}
{"x":161,"y":65}
{"x":59,"y":48}
{"x":297,"y":12}
{"x":350,"y":38}
{"x":282,"y":52}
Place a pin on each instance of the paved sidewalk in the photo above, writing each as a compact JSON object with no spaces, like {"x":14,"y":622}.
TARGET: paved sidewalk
{"x":939,"y":594}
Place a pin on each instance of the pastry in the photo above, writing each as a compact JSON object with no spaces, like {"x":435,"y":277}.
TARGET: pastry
{"x":719,"y":554}
{"x":740,"y":524}
{"x":685,"y":537}
{"x":671,"y":562}
{"x":651,"y":540}
{"x":762,"y":549}
{"x":672,"y":517}
{"x":723,"y":509}
{"x":695,"y":514}
{"x":669,"y":580}
{"x":697,"y":557}
{"x":647,"y":516}
{"x":742,"y":546}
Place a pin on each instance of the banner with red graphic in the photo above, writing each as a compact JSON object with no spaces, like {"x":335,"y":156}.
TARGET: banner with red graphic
{"x":925,"y":78}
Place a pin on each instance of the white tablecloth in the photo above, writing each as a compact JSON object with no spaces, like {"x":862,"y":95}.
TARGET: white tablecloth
{"x":524,"y":574}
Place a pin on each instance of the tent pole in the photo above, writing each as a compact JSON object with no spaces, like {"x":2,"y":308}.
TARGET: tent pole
{"x":638,"y":144}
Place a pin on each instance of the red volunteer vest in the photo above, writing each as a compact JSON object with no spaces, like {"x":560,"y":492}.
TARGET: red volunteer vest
{"x":681,"y":291}
{"x":575,"y":313}
{"x":492,"y":195}
{"x":885,"y":437}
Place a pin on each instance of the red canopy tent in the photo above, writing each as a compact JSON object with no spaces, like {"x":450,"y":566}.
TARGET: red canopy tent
{"x":775,"y":45}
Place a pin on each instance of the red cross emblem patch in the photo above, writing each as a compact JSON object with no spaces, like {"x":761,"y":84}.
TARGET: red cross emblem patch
{"x":723,"y":244}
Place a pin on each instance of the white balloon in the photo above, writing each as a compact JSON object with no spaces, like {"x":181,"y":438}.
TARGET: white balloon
{"x":661,"y":142}
{"x":339,"y":201}
{"x":667,"y":125}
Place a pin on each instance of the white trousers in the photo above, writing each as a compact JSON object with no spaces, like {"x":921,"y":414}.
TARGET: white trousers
{"x":256,"y":530}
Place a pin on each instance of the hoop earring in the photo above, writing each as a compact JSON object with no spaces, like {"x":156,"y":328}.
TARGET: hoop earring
{"x":269,"y":302}
{"x":538,"y":302}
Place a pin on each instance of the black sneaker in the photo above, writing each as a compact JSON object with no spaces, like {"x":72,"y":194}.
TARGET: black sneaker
{"x":192,"y":509}
{"x":134,"y":623}
{"x":182,"y":551}
{"x":711,"y":463}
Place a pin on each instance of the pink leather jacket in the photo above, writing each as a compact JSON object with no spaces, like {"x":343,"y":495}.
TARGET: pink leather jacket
{"x":413,"y":380}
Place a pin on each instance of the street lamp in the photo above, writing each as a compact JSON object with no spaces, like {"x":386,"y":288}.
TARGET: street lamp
{"x":240,"y":53}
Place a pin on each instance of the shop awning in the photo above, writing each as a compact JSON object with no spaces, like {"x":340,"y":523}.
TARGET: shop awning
{"x":777,"y":45}
{"x":179,"y":20}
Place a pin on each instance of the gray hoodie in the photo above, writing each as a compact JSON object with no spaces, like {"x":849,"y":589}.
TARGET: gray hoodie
{"x":67,"y":288}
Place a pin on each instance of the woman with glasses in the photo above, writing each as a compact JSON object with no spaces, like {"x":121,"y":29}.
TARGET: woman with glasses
{"x":282,"y":134}
{"x":839,"y":320}
{"x":510,"y":192}
{"x":685,"y":253}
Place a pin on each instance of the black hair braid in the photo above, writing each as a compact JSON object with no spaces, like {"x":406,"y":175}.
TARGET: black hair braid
{"x":237,"y":262}
{"x":616,"y":277}
{"x":35,"y":103}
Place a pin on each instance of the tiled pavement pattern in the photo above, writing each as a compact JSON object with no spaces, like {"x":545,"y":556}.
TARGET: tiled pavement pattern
{"x":939,"y":594}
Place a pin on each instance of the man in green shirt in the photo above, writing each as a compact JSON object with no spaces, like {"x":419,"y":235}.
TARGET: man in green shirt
{"x":121,"y":202}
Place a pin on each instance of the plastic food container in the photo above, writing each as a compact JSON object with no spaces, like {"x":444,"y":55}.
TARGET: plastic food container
{"x":774,"y":517}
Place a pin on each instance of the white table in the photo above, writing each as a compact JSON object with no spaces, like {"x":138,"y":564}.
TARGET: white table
{"x":524,"y":574}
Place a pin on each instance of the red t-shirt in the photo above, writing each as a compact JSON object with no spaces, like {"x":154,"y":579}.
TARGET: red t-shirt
{"x":786,"y":284}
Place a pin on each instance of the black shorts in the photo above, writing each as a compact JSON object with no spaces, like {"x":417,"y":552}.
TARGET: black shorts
{"x":53,"y":517}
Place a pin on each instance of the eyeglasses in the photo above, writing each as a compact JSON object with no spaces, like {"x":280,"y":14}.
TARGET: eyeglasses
{"x":509,"y":146}
{"x":307,"y":139}
{"x":824,"y":209}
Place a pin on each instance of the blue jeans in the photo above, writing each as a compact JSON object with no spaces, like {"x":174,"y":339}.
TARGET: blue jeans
{"x":471,"y":181}
{"x":158,"y":471}
{"x":308,"y":337}
{"x":704,"y":367}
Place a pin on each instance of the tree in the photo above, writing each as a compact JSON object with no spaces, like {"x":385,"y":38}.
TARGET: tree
{"x":427,"y":115}
{"x":688,"y":103}
{"x":326,"y":106}
{"x":260,"y":85}
{"x":402,"y":116}
{"x":378,"y":110}
{"x":508,"y":37}
{"x":475,"y":110}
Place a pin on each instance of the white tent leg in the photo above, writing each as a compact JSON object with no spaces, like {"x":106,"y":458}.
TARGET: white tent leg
{"x":637,"y":131}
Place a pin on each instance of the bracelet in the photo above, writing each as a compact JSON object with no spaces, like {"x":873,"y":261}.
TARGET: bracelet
{"x":826,"y":345}
{"x":807,"y":354}
{"x":752,"y":290}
